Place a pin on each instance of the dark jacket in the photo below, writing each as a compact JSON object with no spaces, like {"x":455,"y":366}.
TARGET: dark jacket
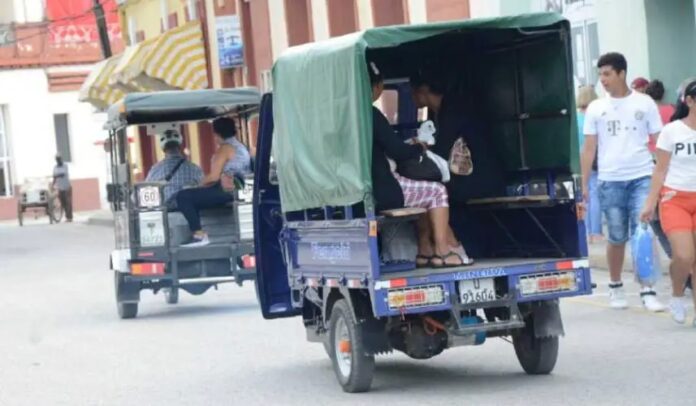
{"x":386,"y":143}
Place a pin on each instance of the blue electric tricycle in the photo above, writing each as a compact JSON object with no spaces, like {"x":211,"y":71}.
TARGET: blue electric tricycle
{"x":325,"y":255}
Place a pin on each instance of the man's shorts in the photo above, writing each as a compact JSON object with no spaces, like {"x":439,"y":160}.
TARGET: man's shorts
{"x":677,"y":210}
{"x":621,"y":203}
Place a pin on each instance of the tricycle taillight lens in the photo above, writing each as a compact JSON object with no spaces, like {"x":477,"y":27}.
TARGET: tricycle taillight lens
{"x":550,"y":282}
{"x":147,"y":268}
{"x":416,"y":297}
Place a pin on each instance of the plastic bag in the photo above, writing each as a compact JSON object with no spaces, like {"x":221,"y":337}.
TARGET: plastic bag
{"x":460,"y":162}
{"x":646,"y":261}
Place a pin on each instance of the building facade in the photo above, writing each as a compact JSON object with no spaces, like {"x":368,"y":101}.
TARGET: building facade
{"x":241,"y":39}
{"x":47,"y":48}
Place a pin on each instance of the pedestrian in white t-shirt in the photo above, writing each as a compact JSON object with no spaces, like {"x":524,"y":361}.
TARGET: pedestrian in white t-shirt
{"x":674,"y":184}
{"x":617,"y":128}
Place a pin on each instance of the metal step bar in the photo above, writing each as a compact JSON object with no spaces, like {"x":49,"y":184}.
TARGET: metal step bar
{"x":212,"y":279}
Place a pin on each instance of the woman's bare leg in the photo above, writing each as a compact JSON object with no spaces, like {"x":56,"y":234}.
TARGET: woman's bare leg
{"x":439,"y":219}
{"x":425,"y":239}
{"x":693,"y":270}
{"x":683,"y":258}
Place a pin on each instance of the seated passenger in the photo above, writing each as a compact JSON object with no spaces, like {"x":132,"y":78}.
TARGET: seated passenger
{"x":230,"y":159}
{"x":181,"y":172}
{"x":394,"y":191}
{"x":483,"y":175}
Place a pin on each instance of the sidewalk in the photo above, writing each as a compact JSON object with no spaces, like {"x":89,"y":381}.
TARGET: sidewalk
{"x":95,"y":217}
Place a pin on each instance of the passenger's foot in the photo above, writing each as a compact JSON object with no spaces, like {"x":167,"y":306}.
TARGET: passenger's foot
{"x":464,"y":256}
{"x":617,"y":296}
{"x":198,"y":240}
{"x":677,"y":308}
{"x":650,"y":301}
{"x":449,"y":260}
{"x":424,"y":261}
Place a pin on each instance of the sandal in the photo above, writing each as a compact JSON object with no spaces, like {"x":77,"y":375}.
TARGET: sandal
{"x":444,"y":263}
{"x":428,"y":261}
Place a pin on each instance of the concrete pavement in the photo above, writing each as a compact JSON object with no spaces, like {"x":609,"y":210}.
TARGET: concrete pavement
{"x":64,"y":345}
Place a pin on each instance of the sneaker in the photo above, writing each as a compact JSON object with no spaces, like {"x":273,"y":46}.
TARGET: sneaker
{"x":650,"y":302}
{"x":617,"y":297}
{"x":678,"y":309}
{"x":197,"y":241}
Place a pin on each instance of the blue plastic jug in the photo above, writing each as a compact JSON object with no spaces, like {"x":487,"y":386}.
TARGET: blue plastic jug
{"x":645,"y":259}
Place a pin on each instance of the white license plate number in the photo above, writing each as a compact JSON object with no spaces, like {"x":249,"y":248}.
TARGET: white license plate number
{"x":149,"y":196}
{"x":246,"y":194}
{"x":477,"y":290}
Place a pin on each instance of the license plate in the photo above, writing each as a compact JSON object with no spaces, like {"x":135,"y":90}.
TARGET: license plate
{"x":477,"y":290}
{"x":246,"y":194}
{"x":149,"y":196}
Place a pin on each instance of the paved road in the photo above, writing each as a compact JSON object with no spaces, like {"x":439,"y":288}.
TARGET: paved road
{"x":63,"y":344}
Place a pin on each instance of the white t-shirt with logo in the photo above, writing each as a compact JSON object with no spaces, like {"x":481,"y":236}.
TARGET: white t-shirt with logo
{"x":623,"y":126}
{"x":680,"y":140}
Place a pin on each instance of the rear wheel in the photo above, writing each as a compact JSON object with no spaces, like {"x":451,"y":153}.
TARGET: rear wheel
{"x":126,"y":310}
{"x":171,"y":295}
{"x":353,"y":366}
{"x":537,"y":355}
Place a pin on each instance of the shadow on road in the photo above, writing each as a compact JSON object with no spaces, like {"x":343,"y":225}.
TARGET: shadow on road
{"x":183,"y":311}
{"x":395,"y":375}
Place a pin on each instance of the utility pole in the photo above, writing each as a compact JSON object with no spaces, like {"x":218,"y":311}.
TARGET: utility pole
{"x":101,"y":27}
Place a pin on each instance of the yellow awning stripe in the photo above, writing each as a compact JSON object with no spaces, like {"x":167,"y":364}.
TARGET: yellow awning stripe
{"x":96,"y":90}
{"x":179,"y":56}
{"x":130,"y":74}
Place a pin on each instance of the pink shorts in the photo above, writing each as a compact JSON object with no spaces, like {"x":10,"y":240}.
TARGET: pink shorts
{"x":423,"y":194}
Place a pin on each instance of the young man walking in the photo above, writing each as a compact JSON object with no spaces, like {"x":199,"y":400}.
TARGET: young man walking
{"x":618,"y":128}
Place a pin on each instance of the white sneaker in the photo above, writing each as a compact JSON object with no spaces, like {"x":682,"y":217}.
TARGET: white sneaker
{"x":617,"y":298}
{"x":650,"y":301}
{"x":678,"y":309}
{"x":197,"y":241}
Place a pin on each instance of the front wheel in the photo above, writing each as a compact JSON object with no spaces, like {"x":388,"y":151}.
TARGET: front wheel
{"x":171,"y":295}
{"x":537,"y":355}
{"x":54,"y":210}
{"x":353,"y":366}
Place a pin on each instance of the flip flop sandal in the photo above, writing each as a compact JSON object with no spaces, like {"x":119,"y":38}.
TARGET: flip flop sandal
{"x":428,"y":261}
{"x":444,"y":263}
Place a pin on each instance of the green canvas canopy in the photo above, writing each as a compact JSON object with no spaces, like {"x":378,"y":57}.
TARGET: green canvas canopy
{"x":322,"y":140}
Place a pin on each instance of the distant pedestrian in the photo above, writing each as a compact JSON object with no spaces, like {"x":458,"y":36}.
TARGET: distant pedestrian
{"x":593,"y":220}
{"x":639,"y":84}
{"x":674,"y":184}
{"x":616,"y":129}
{"x":656,"y":90}
{"x":61,"y":182}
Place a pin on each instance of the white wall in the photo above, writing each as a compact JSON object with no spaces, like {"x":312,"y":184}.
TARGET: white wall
{"x":30,"y":109}
{"x":27,"y":11}
{"x":623,"y":28}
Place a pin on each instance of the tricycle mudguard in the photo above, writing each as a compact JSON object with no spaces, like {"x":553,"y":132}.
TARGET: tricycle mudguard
{"x":547,"y":319}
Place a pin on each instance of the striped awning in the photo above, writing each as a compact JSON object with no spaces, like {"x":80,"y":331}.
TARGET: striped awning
{"x":129,"y":74}
{"x":173,"y":60}
{"x":96,"y":89}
